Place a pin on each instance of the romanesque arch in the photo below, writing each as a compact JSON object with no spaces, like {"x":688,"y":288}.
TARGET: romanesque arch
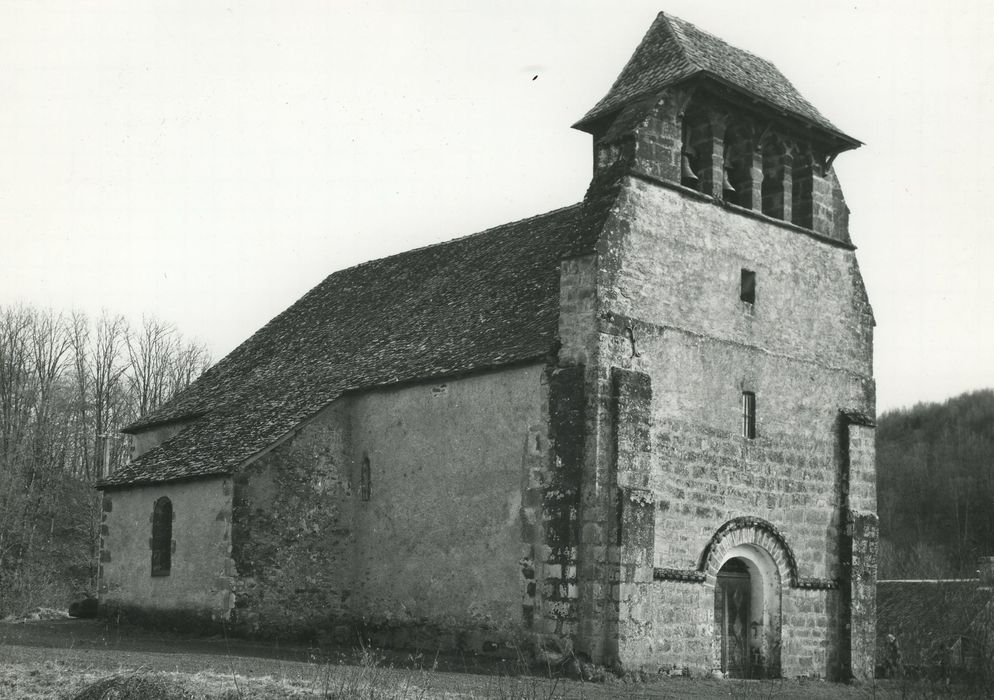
{"x":748,"y":530}
{"x":747,"y":560}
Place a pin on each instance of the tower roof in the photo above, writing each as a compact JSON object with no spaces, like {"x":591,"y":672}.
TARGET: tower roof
{"x":673,"y":51}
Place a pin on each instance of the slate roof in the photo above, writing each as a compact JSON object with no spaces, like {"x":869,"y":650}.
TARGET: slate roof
{"x":476,"y":302}
{"x":927,"y":617}
{"x":674,"y":50}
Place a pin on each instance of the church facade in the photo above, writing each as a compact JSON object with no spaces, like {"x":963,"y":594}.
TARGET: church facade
{"x":637,"y":429}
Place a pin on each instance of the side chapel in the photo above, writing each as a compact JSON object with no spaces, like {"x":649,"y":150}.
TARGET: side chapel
{"x":638,"y":428}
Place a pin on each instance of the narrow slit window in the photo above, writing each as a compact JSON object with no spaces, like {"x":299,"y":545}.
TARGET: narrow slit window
{"x":748,"y":415}
{"x":364,"y":479}
{"x":747,"y":291}
{"x":162,"y":537}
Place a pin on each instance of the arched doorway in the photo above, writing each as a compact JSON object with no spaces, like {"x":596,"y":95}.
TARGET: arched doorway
{"x":732,"y":615}
{"x":747,"y":613}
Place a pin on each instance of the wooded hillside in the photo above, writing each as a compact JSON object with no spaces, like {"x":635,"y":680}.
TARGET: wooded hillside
{"x":935,"y":480}
{"x":68,"y":383}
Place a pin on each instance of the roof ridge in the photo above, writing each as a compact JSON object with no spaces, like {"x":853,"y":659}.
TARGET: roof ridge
{"x":554,"y":224}
{"x":714,"y":37}
{"x":671,"y":19}
{"x":674,"y":50}
{"x":677,"y":38}
{"x":457,"y":239}
{"x":597,"y":110}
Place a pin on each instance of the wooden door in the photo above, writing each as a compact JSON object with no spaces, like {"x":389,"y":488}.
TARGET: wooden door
{"x":732,"y":595}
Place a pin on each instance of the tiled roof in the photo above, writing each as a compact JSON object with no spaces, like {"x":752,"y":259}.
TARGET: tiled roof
{"x":674,"y":50}
{"x":476,"y":302}
{"x":927,"y":617}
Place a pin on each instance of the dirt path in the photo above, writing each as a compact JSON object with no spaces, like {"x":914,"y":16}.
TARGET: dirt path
{"x":94,"y":648}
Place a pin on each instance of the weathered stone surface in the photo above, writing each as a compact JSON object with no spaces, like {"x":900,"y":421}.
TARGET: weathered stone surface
{"x":700,"y":426}
{"x":669,"y":310}
{"x":432,"y":558}
{"x":290,"y":531}
{"x":197,"y":580}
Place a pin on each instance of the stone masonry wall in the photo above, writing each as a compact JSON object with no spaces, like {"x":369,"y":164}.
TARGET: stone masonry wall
{"x":634,"y":531}
{"x":551,"y":519}
{"x":445,"y":548}
{"x":669,"y":308}
{"x":682,"y":629}
{"x":292,"y":532}
{"x":671,"y":259}
{"x":654,"y":133}
{"x":707,"y":473}
{"x":442,"y":554}
{"x":577,"y":309}
{"x":200,"y":579}
{"x":862,"y":533}
{"x":810,"y":640}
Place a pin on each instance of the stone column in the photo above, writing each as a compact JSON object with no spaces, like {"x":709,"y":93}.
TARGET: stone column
{"x":756,"y":181}
{"x":822,"y":204}
{"x":659,"y":138}
{"x":863,"y":528}
{"x":635,"y":516}
{"x":555,"y":604}
{"x":787,"y":204}
{"x":858,"y":547}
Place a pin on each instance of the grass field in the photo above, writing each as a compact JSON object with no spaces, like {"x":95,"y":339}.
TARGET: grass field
{"x":87,"y":660}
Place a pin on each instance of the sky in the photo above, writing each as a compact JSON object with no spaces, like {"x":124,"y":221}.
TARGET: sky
{"x":209,"y":162}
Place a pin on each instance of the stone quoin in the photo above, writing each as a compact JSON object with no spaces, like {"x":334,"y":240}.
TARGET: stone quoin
{"x":638,"y":429}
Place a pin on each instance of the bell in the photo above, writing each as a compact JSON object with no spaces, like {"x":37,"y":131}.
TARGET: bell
{"x":727,"y":184}
{"x":686,"y":172}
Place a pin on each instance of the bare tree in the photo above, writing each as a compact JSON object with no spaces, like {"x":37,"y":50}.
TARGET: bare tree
{"x":149,"y":352}
{"x":79,"y":333}
{"x":67,"y":386}
{"x":14,"y":419}
{"x":107,"y":369}
{"x":188,"y":362}
{"x":14,"y":384}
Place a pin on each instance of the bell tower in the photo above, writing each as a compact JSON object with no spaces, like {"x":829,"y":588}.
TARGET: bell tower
{"x":691,"y":110}
{"x":728,"y":510}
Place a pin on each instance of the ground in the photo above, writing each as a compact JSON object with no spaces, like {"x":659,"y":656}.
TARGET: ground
{"x":61,"y":658}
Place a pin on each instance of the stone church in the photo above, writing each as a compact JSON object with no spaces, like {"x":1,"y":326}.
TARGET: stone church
{"x":638,"y":428}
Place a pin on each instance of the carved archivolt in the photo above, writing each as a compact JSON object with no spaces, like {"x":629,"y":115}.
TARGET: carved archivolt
{"x":745,"y":531}
{"x":748,"y":530}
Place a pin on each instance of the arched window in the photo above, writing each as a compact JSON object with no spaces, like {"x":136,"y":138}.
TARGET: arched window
{"x":162,"y":537}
